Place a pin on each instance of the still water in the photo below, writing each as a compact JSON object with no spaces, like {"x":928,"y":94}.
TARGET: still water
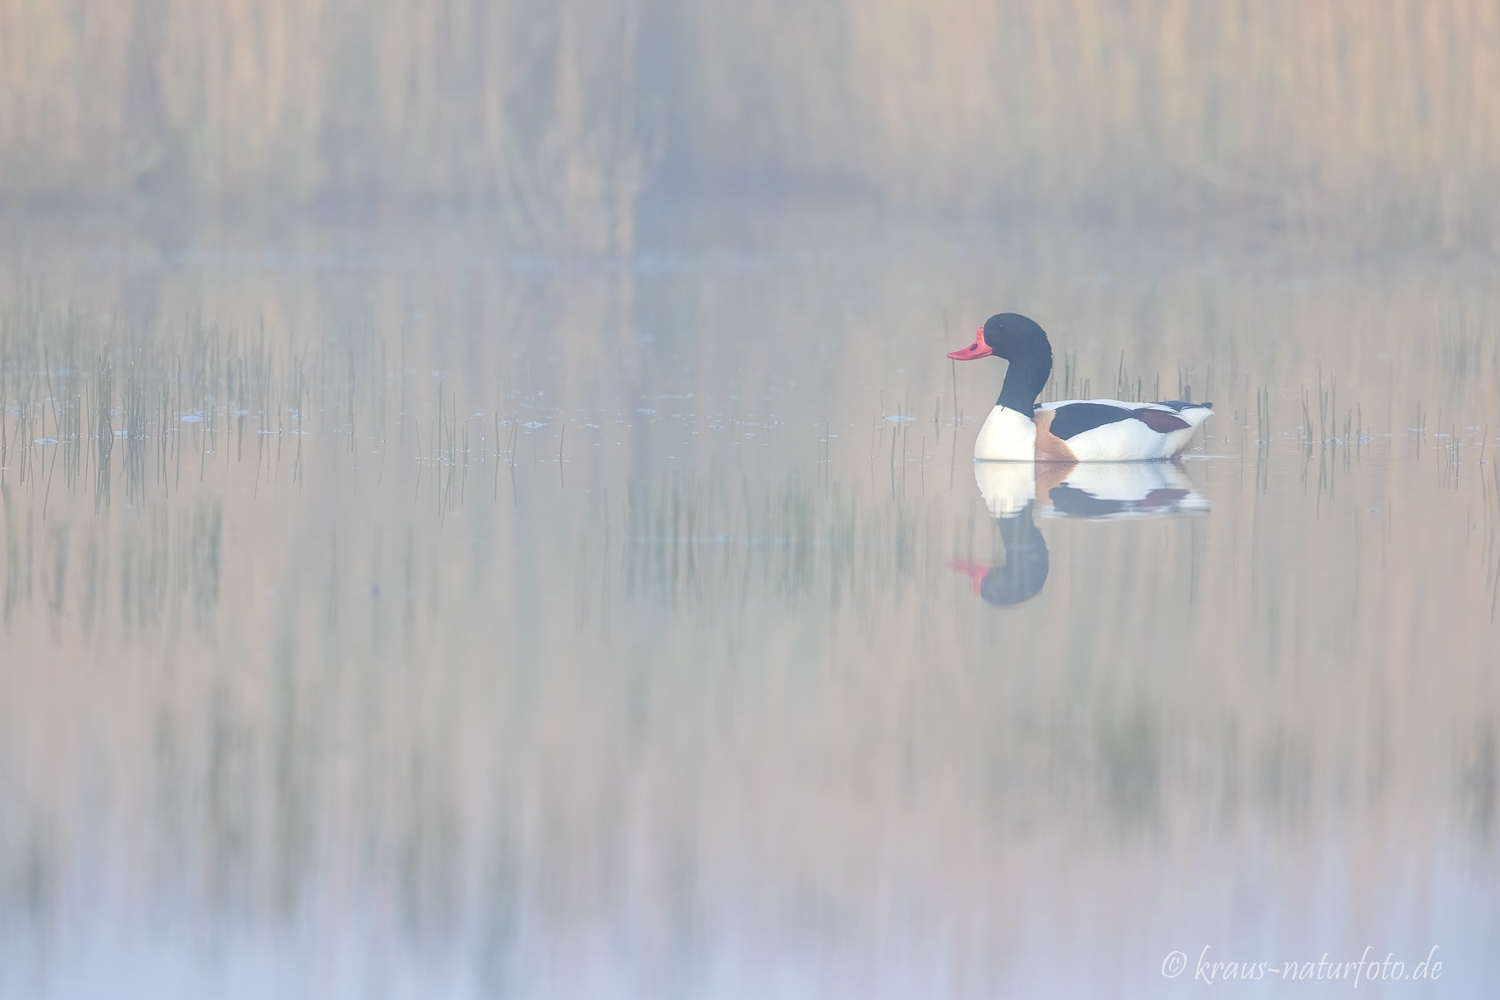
{"x":389,"y":614}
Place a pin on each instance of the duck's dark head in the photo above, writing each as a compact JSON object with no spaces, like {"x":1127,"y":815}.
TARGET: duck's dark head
{"x":1024,"y":344}
{"x":1009,"y":336}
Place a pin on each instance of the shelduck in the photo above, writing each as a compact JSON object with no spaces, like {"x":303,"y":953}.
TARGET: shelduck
{"x":1019,"y":429}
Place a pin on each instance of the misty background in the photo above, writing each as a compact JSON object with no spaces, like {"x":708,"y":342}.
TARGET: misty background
{"x":565,"y":120}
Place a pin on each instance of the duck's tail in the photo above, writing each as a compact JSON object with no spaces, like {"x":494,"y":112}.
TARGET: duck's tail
{"x":1193,"y":413}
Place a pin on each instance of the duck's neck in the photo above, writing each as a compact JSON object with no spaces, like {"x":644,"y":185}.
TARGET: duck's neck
{"x":1027,"y":375}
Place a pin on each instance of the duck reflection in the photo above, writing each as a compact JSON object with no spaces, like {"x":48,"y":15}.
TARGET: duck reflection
{"x":1097,"y":490}
{"x":1122,"y":490}
{"x":1021,"y":576}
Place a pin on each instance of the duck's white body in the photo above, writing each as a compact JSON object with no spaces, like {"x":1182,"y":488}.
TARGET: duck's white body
{"x":1010,"y":436}
{"x":1007,"y":436}
{"x":1073,"y":430}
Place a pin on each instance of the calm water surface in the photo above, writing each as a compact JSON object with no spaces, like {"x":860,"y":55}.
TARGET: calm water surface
{"x":388,"y":615}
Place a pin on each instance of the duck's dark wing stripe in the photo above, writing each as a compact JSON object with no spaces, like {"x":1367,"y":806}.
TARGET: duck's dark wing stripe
{"x":1182,"y":404}
{"x":1075,"y":418}
{"x":1160,"y":421}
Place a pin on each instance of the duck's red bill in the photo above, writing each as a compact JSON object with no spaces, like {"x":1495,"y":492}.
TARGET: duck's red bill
{"x":978,"y":349}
